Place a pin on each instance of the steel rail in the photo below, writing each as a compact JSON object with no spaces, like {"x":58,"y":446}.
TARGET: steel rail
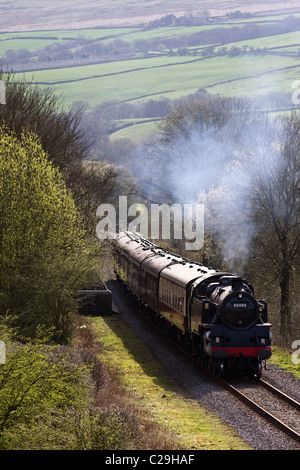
{"x":262,"y":411}
{"x":279,"y":393}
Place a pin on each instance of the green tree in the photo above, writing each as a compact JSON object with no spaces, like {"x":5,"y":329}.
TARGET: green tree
{"x":41,"y":237}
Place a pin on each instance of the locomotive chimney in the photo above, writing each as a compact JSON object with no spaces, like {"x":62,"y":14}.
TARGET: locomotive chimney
{"x":237,"y":283}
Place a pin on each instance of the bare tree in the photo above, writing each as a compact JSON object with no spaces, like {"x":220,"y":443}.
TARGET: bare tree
{"x":276,"y":206}
{"x":39,"y":110}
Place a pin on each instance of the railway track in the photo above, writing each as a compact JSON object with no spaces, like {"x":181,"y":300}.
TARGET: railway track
{"x":269,"y":402}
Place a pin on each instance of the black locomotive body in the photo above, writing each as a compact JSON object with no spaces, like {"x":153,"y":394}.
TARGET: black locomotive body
{"x":213,"y":314}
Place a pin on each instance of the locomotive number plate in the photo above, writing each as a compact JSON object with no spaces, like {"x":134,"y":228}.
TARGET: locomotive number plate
{"x":240,"y":305}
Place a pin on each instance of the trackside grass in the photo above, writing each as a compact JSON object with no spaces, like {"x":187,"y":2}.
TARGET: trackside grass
{"x":156,"y":393}
{"x":286,"y":360}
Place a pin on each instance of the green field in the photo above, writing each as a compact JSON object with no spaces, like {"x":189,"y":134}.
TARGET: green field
{"x":284,"y":41}
{"x":171,"y":77}
{"x":136,"y":131}
{"x":35,"y":40}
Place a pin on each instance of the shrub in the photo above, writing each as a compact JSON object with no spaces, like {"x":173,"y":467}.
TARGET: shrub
{"x":39,"y":386}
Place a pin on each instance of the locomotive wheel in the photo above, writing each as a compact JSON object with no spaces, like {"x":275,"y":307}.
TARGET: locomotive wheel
{"x":221,"y":369}
{"x":258,"y":372}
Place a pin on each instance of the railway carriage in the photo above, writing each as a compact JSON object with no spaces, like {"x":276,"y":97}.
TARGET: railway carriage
{"x":215,"y":315}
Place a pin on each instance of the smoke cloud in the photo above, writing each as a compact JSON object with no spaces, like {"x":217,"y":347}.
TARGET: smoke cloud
{"x":217,"y":167}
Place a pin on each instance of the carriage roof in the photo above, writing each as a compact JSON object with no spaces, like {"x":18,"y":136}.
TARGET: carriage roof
{"x":161,"y":262}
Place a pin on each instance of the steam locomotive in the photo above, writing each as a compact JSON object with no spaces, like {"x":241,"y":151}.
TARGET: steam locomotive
{"x":213,"y":314}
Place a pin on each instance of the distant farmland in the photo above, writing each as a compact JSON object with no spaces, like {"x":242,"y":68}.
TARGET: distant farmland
{"x":135,"y":64}
{"x":149,"y":78}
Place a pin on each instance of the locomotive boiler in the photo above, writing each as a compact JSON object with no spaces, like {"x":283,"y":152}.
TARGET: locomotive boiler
{"x":215,"y":315}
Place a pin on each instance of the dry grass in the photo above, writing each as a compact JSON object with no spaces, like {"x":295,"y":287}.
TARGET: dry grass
{"x":139,"y":431}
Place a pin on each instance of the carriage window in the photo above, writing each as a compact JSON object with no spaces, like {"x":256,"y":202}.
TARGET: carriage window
{"x":181,"y":304}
